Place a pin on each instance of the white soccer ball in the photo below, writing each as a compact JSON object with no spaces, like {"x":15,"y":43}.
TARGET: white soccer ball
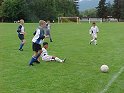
{"x":104,"y":68}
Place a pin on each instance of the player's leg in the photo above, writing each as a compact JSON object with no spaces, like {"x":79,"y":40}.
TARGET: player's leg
{"x":47,"y":58}
{"x":92,"y":39}
{"x":50,"y":36}
{"x":37,"y":52}
{"x":58,"y":59}
{"x":95,"y":39}
{"x":52,"y":58}
{"x":21,"y":37}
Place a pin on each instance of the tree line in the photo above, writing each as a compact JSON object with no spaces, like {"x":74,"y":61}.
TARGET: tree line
{"x":105,"y":10}
{"x":34,"y":10}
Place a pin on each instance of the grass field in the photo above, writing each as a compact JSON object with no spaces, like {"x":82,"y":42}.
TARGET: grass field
{"x":79,"y":74}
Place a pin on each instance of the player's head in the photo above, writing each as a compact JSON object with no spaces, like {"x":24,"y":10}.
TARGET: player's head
{"x":21,"y":21}
{"x":45,"y":44}
{"x":93,"y":23}
{"x":42,"y":23}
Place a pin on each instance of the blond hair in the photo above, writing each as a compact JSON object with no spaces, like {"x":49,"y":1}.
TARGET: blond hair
{"x":21,"y":21}
{"x":41,"y":22}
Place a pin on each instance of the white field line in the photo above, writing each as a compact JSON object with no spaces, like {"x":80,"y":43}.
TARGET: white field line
{"x":112,"y":80}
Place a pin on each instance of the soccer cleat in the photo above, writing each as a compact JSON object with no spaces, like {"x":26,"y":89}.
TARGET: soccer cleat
{"x":90,"y":43}
{"x":36,"y":61}
{"x":64,"y":60}
{"x":21,"y":49}
{"x":31,"y":64}
{"x":51,"y":41}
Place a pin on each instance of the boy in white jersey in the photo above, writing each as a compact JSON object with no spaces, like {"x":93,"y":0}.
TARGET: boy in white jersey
{"x":93,"y":32}
{"x":46,"y":57}
{"x":21,"y":33}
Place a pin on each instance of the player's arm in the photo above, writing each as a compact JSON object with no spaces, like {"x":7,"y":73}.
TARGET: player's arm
{"x":90,"y":31}
{"x":97,"y":29}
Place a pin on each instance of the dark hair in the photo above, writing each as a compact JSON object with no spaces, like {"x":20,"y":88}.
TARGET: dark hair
{"x":94,"y":23}
{"x":45,"y":43}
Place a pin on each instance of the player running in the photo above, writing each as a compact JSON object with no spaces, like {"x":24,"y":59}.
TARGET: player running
{"x":93,"y":32}
{"x":46,"y":57}
{"x":48,"y":27}
{"x":21,"y":33}
{"x":37,"y":41}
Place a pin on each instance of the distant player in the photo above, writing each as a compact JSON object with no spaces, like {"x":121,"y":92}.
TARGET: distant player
{"x":46,"y":57}
{"x":93,"y":32}
{"x":37,"y":41}
{"x":48,"y":30}
{"x":21,"y":33}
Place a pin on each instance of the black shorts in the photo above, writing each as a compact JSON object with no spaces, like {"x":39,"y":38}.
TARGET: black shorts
{"x":36,"y":47}
{"x":21,"y":36}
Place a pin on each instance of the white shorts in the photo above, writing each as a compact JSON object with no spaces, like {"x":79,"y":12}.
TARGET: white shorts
{"x":94,"y":36}
{"x":47,"y":58}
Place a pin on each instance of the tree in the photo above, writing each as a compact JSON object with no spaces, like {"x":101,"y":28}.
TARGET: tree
{"x":117,"y":9}
{"x":14,"y":10}
{"x":89,"y":13}
{"x":109,"y":9}
{"x":34,"y":10}
{"x":102,"y":9}
{"x":122,"y":8}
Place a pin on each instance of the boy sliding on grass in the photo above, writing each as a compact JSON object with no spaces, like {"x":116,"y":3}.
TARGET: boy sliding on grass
{"x":46,"y":57}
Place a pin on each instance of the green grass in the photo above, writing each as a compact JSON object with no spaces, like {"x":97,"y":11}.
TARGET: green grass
{"x":80,"y":73}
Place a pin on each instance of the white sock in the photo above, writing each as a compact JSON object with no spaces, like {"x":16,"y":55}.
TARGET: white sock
{"x":57,"y":59}
{"x":95,"y":42}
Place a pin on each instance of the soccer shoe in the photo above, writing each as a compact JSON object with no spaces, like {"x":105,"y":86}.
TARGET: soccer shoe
{"x":90,"y":43}
{"x":21,"y":49}
{"x":64,"y":60}
{"x":51,"y":41}
{"x":36,"y":61}
{"x":31,"y":64}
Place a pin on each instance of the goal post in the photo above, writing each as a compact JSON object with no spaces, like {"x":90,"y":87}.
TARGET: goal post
{"x":95,"y":20}
{"x":68,"y":19}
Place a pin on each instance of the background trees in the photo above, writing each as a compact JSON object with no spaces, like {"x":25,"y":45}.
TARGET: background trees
{"x":33,"y":10}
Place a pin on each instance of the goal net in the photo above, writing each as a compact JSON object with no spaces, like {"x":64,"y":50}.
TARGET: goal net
{"x":68,"y":19}
{"x":95,"y":20}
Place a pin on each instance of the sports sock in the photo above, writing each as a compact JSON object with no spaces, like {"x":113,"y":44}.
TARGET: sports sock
{"x":21,"y":45}
{"x":32,"y":60}
{"x":95,"y":42}
{"x":38,"y":56}
{"x":57,"y":59}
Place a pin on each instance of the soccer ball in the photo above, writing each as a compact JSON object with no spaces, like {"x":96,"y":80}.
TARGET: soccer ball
{"x":104,"y":68}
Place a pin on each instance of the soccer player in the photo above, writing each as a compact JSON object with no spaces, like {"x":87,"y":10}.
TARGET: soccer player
{"x":93,"y":32}
{"x":46,"y":57}
{"x":48,"y":27}
{"x":21,"y":33}
{"x":37,"y":41}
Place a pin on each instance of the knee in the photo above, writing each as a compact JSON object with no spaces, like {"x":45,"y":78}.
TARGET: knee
{"x":24,"y":41}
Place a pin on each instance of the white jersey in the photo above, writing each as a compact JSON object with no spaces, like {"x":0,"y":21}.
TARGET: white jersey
{"x":94,"y":30}
{"x":21,"y":29}
{"x":37,"y":37}
{"x":48,"y":26}
{"x":44,"y":52}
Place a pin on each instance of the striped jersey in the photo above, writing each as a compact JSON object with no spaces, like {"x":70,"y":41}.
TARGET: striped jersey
{"x":38,"y":36}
